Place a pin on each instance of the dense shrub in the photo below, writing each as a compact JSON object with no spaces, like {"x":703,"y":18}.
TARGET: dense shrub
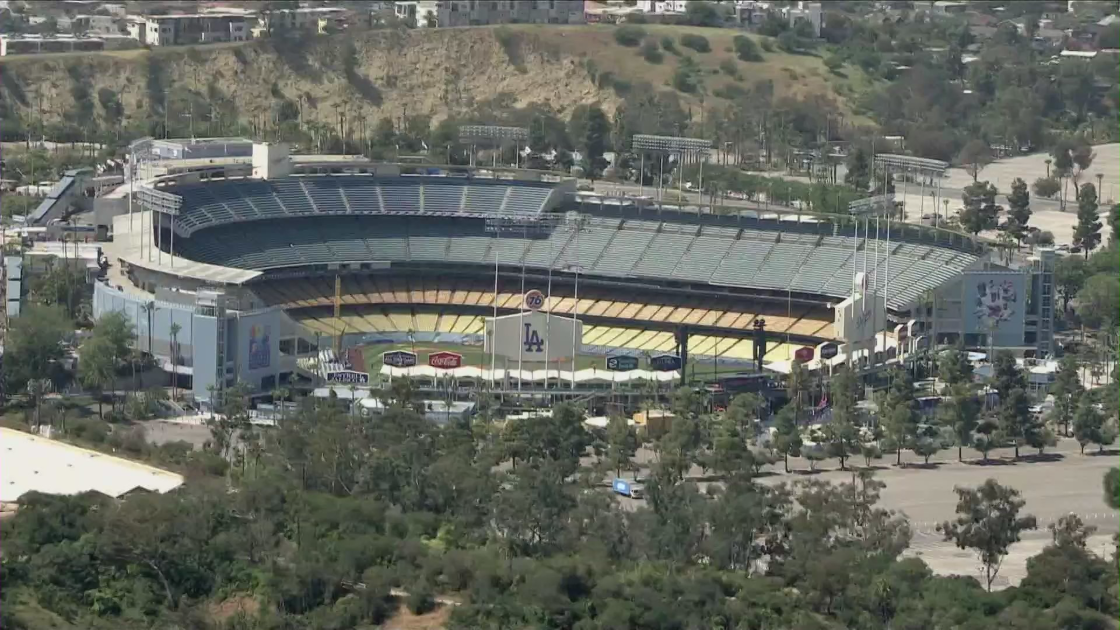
{"x":699,"y":43}
{"x":629,"y":35}
{"x":652,"y":52}
{"x":746,"y":49}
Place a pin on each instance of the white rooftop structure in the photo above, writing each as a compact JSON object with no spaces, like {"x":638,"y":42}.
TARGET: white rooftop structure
{"x":32,"y":463}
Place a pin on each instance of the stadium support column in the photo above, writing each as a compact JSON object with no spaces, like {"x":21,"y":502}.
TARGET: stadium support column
{"x":172,"y":242}
{"x":682,"y":352}
{"x":642,"y":174}
{"x":338,"y":313}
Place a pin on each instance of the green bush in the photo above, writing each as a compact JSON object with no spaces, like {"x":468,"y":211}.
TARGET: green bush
{"x":699,"y":43}
{"x":686,"y":77}
{"x":420,"y":599}
{"x":746,"y":49}
{"x":629,"y":35}
{"x":669,"y":45}
{"x":767,"y":45}
{"x":651,"y":52}
{"x":728,"y":67}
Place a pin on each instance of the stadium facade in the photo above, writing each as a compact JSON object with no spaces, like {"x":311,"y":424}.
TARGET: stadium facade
{"x":262,"y":261}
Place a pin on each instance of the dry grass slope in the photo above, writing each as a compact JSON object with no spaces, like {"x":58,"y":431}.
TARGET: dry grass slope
{"x":397,"y":73}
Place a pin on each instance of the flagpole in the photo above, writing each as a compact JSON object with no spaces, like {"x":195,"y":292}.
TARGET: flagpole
{"x":548,"y":313}
{"x":875,"y":304}
{"x":521,"y":320}
{"x":494,"y":326}
{"x":886,"y":288}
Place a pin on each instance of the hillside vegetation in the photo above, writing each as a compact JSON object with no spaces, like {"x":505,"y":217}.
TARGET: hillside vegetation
{"x":397,"y":73}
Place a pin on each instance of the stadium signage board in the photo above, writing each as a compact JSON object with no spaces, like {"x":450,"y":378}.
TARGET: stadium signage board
{"x":829,"y":350}
{"x":665,"y":362}
{"x":349,"y":377}
{"x":445,"y":360}
{"x":622,"y":363}
{"x":803,"y":355}
{"x":399,"y":358}
{"x":534,"y":300}
{"x":872,"y":205}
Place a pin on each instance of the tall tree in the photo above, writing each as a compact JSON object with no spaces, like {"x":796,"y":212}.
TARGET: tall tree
{"x":1070,"y":274}
{"x":1112,"y":488}
{"x":960,"y":412}
{"x":1016,"y":421}
{"x":980,"y":210}
{"x":953,"y":366}
{"x":1067,"y":390}
{"x":622,"y":443}
{"x":1087,"y":232}
{"x":975,"y":155}
{"x":1007,"y":375}
{"x":841,"y":433}
{"x":858,"y":165}
{"x":1097,"y":301}
{"x":97,"y":368}
{"x":899,"y":412}
{"x":33,"y":345}
{"x":797,"y":384}
{"x":1018,"y":210}
{"x":988,"y":522}
{"x":787,"y":435}
{"x":1088,"y":424}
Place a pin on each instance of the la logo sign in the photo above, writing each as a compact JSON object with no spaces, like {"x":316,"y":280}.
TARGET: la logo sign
{"x":532,"y":340}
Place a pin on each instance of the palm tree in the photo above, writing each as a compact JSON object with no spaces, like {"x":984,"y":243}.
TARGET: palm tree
{"x":175,"y":328}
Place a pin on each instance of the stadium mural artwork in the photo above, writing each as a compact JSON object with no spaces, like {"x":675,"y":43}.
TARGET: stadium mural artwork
{"x":445,"y":360}
{"x":260,"y":350}
{"x":348,"y":377}
{"x":399,"y":358}
{"x":994,"y":304}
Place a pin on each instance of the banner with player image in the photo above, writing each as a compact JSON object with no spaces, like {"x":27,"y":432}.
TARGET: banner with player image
{"x":995,"y":303}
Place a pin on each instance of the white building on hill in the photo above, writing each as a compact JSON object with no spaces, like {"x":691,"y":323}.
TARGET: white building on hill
{"x":429,"y":13}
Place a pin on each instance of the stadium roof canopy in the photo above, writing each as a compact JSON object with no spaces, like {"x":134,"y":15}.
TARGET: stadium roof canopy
{"x":29,"y":463}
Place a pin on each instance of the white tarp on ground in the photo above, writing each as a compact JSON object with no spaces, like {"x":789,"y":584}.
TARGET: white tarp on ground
{"x":32,"y":463}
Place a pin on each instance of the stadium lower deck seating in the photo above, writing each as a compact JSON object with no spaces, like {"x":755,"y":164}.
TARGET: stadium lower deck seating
{"x":818,"y":264}
{"x":374,"y":293}
{"x":372,"y":319}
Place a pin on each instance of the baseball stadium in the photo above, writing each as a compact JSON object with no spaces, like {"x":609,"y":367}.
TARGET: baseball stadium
{"x":279,"y":270}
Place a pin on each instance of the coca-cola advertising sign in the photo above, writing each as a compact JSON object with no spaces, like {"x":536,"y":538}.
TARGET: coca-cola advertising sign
{"x":445,"y":360}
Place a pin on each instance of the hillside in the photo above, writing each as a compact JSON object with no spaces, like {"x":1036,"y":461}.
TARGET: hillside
{"x":374,"y":74}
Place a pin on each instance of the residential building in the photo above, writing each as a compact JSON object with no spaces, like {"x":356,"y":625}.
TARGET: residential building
{"x":36,"y":44}
{"x":663,"y":6}
{"x":192,"y":28}
{"x":96,"y":24}
{"x":806,"y":12}
{"x":321,"y":20}
{"x":428,"y":13}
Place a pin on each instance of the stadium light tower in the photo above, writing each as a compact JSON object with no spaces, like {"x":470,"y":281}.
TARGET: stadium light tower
{"x":924,"y":167}
{"x":492,"y":134}
{"x":673,"y":145}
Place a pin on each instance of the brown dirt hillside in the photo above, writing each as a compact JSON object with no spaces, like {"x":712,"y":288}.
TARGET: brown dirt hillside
{"x":392,"y":73}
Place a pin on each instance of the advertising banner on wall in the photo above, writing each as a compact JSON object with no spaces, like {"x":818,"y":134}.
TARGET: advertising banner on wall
{"x":260,"y":349}
{"x":531,"y":337}
{"x":994,"y":303}
{"x":348,"y":377}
